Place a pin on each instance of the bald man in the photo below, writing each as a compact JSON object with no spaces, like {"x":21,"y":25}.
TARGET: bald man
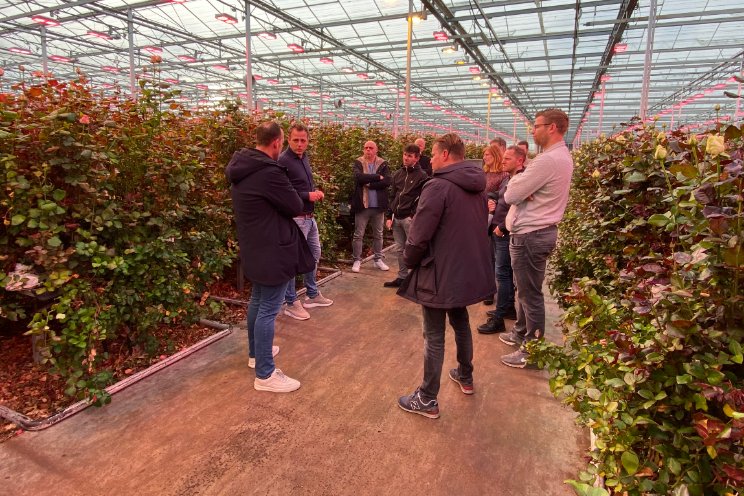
{"x":369,"y":203}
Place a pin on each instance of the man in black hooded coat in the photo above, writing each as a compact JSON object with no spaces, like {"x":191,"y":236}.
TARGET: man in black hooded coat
{"x":272,"y":248}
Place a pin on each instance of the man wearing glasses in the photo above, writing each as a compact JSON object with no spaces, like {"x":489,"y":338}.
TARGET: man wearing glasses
{"x":369,"y":203}
{"x":538,"y":198}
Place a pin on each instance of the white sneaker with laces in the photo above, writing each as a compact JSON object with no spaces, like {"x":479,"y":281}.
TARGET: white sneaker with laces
{"x":252,"y":360}
{"x":277,"y":382}
{"x":381,"y":265}
{"x":356,"y":266}
{"x":296,"y":311}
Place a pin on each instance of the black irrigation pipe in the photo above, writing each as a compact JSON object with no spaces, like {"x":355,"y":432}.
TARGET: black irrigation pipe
{"x":30,"y":424}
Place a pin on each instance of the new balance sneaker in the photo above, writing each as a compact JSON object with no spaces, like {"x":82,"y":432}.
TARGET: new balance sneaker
{"x":465,"y":387}
{"x":381,"y":265}
{"x":318,"y":301}
{"x":252,"y":360}
{"x":492,"y":326}
{"x":277,"y":382}
{"x":510,"y":338}
{"x":415,"y":404}
{"x":296,"y":311}
{"x":517,"y":359}
{"x":395,"y":283}
{"x":356,"y":266}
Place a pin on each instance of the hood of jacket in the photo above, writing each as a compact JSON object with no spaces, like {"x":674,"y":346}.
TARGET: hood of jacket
{"x":246,"y":162}
{"x":467,"y":174}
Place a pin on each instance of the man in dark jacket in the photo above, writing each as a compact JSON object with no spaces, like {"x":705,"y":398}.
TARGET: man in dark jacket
{"x":296,"y":161}
{"x":513,"y":163}
{"x":406,"y":190}
{"x":450,"y":254}
{"x":272,"y":248}
{"x":424,"y":160}
{"x":372,"y":178}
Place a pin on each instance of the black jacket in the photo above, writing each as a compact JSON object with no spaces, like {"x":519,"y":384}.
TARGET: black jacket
{"x":447,"y":245}
{"x":406,"y":190}
{"x":425,"y":163}
{"x":364,"y":181}
{"x":272,"y":247}
{"x":301,"y":176}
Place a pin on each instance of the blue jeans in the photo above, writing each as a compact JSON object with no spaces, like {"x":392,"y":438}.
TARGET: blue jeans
{"x":529,"y":254}
{"x":310,"y":229}
{"x":504,"y":277}
{"x":375,"y":216}
{"x":262,"y":310}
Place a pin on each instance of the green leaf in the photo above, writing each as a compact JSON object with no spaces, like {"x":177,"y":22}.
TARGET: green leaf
{"x":17,"y":219}
{"x":685,"y":168}
{"x":58,"y":194}
{"x":730,"y":412}
{"x":635,"y":177}
{"x":659,"y":220}
{"x":54,"y":241}
{"x":674,"y":466}
{"x":630,"y":462}
{"x":584,"y":489}
{"x":684,"y":379}
{"x":732,"y":132}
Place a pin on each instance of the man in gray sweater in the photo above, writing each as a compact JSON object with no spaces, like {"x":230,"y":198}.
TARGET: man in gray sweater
{"x":538,"y":198}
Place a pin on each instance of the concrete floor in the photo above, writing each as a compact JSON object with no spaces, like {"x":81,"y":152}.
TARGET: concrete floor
{"x":199,"y":427}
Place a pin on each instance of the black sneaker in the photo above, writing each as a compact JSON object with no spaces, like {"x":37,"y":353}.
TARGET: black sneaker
{"x":466,"y":388}
{"x":395,"y":283}
{"x":492,"y":326}
{"x":510,"y":315}
{"x":415,"y":404}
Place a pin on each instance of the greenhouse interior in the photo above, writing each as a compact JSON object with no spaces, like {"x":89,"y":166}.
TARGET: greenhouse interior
{"x":126,"y":310}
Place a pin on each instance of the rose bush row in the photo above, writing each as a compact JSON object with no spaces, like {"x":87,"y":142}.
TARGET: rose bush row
{"x":649,"y":270}
{"x":116,"y":213}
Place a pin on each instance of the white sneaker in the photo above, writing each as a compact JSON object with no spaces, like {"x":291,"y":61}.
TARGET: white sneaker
{"x":252,"y":360}
{"x":381,"y":265}
{"x":296,"y":311}
{"x":277,"y":382}
{"x":356,"y":266}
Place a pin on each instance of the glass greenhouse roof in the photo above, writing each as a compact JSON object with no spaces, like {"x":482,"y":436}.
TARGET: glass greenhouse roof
{"x":345,"y":60}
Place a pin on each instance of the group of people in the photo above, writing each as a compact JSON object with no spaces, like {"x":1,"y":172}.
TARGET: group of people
{"x":464,"y":232}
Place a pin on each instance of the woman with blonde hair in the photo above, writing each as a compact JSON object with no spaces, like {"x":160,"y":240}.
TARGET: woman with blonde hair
{"x":492,"y":157}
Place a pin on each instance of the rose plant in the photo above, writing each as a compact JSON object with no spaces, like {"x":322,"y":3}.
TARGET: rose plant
{"x":649,"y":270}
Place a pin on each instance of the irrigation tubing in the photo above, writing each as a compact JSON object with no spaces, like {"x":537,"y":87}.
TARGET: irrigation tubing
{"x":30,"y":424}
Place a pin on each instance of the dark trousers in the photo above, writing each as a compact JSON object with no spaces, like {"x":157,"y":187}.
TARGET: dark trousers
{"x":434,"y":326}
{"x":504,"y":277}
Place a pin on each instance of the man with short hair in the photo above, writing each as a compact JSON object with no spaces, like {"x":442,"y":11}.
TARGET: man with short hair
{"x":500,"y":142}
{"x":450,"y":257}
{"x":538,"y":198}
{"x":296,"y":161}
{"x":525,"y":146}
{"x":512,"y":163}
{"x":369,"y":202}
{"x":272,"y":248}
{"x":406,"y":190}
{"x":424,"y":160}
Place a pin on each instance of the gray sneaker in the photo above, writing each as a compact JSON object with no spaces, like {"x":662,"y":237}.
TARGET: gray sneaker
{"x":511,"y":338}
{"x":517,"y":359}
{"x":318,"y":301}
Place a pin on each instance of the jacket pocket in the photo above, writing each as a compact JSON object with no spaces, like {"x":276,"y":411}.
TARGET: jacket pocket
{"x":426,"y":276}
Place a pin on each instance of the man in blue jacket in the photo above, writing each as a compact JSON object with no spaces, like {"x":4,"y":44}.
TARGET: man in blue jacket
{"x":296,"y":161}
{"x":272,"y":248}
